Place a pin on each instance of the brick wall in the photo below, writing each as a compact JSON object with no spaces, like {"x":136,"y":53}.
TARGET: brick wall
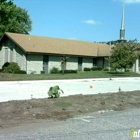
{"x":54,"y":61}
{"x":72,"y":63}
{"x":87,"y":62}
{"x":19,"y":57}
{"x":34,"y":64}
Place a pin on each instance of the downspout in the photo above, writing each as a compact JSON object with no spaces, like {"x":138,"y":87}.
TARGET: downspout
{"x":26,"y":62}
{"x":135,"y":66}
{"x":103,"y":62}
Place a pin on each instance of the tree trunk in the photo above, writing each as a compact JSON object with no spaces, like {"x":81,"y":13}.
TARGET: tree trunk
{"x":63,"y":70}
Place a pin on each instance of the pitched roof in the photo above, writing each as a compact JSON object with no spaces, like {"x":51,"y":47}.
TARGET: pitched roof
{"x":38,"y":44}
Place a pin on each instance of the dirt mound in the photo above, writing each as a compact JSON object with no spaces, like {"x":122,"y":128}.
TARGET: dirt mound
{"x":29,"y":111}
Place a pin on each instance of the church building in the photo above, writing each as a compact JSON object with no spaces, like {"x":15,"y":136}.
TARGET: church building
{"x":38,"y":55}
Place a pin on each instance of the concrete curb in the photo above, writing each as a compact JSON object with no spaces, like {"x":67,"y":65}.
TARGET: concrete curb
{"x":68,"y":80}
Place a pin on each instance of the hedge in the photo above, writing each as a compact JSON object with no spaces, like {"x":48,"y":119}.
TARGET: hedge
{"x":68,"y":71}
{"x":87,"y":69}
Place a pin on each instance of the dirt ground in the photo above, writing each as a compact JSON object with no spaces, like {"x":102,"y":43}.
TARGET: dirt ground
{"x":14,"y":113}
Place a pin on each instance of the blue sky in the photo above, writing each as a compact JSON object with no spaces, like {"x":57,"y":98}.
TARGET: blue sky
{"x":86,"y":20}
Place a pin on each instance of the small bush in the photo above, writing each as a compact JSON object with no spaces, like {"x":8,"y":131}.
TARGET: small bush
{"x":112,"y":69}
{"x":79,"y":70}
{"x":1,"y":70}
{"x":12,"y":68}
{"x":87,"y":69}
{"x":96,"y":68}
{"x":127,"y":70}
{"x":54,"y":70}
{"x":54,"y":92}
{"x":105,"y":69}
{"x":68,"y":71}
{"x":21,"y":72}
{"x":100,"y":68}
{"x":5,"y":65}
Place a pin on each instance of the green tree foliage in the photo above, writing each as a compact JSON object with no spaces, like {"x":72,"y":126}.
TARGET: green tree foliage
{"x":123,"y":54}
{"x":13,"y":19}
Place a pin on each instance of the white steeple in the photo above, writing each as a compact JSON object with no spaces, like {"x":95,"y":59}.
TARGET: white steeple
{"x":122,"y":24}
{"x":122,"y":30}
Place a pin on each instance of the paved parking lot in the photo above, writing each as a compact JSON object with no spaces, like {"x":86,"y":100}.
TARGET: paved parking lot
{"x":113,"y":125}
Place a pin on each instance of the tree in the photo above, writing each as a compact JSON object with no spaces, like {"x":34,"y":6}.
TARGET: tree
{"x":13,"y":19}
{"x":63,"y":63}
{"x":123,"y":54}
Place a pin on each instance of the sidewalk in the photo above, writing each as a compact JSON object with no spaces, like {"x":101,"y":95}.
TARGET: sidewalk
{"x":20,"y":90}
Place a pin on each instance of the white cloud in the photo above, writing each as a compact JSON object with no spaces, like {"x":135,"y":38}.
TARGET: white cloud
{"x":129,"y":1}
{"x":90,"y":21}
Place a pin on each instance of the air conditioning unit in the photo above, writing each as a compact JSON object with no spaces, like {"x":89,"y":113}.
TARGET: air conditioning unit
{"x":42,"y":72}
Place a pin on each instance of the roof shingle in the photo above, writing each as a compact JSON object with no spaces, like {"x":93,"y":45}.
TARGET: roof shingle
{"x":38,"y":44}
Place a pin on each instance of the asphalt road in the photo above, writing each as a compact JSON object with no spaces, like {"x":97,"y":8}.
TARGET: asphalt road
{"x":111,"y":125}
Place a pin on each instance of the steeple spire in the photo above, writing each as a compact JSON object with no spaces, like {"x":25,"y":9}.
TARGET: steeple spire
{"x":122,"y":30}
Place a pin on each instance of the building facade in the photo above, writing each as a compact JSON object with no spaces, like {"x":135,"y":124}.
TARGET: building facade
{"x":37,"y":55}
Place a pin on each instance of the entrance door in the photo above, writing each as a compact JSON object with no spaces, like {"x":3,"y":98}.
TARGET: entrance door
{"x":80,"y":61}
{"x":45,"y":63}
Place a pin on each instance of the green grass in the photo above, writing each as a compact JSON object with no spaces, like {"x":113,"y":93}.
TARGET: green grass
{"x":63,"y":104}
{"x":80,"y":75}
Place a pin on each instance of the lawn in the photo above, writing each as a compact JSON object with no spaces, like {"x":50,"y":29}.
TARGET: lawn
{"x":79,"y":75}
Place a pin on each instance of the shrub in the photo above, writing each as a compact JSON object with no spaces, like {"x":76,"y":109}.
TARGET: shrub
{"x":96,"y":68}
{"x":68,"y":71}
{"x":0,"y":70}
{"x":87,"y":69}
{"x":112,"y":69}
{"x":105,"y":69}
{"x":54,"y":70}
{"x":127,"y":70}
{"x":79,"y":70}
{"x":12,"y":68}
{"x":21,"y":72}
{"x":54,"y":92}
{"x":100,"y":68}
{"x":5,"y":65}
